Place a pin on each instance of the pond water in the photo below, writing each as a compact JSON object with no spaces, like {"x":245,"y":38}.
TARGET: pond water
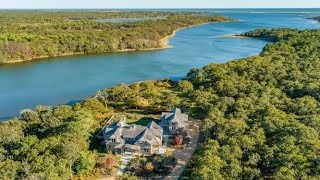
{"x":68,"y":79}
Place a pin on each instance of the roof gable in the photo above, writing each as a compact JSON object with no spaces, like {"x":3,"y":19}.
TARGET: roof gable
{"x":132,"y":131}
{"x":131,"y":134}
{"x":174,"y":116}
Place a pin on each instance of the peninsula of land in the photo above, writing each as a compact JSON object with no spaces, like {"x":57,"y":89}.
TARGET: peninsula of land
{"x":29,"y":35}
{"x":259,"y":115}
{"x":316,"y":18}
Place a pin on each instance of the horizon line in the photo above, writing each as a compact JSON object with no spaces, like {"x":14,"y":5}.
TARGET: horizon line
{"x":155,"y":8}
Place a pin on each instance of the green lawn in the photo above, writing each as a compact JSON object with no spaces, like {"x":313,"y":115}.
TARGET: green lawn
{"x":142,"y":121}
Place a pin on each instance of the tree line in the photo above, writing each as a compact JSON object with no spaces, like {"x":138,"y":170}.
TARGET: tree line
{"x":261,"y":114}
{"x":27,"y":35}
{"x":316,"y":18}
{"x":261,"y":118}
{"x":60,"y":142}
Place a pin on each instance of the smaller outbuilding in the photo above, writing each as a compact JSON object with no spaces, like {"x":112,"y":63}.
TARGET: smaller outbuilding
{"x":174,"y":122}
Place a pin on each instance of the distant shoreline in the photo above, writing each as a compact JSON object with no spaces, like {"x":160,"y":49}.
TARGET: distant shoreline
{"x":233,"y":36}
{"x":163,"y":45}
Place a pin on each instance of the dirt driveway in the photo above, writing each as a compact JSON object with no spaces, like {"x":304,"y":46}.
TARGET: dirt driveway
{"x":183,"y":156}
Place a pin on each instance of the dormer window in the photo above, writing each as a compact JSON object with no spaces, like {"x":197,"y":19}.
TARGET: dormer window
{"x":174,"y":125}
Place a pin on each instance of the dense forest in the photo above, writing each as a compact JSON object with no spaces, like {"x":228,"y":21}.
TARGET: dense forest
{"x":49,"y":143}
{"x":261,"y":118}
{"x":26,"y":35}
{"x":60,"y":142}
{"x":261,"y":114}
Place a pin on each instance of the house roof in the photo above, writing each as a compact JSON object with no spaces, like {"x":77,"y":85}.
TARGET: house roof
{"x":154,"y":125}
{"x":113,"y":133}
{"x":174,"y":116}
{"x":155,"y":128}
{"x":176,"y":111}
{"x":132,"y":131}
{"x":120,"y":145}
{"x":131,"y":146}
{"x":122,"y":131}
{"x":121,"y":123}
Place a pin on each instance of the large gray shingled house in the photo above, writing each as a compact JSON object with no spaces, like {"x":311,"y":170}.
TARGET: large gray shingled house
{"x":122,"y":138}
{"x":174,"y":122}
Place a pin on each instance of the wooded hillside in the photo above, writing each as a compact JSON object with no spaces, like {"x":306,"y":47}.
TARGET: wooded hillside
{"x":27,"y":35}
{"x":262,"y":114}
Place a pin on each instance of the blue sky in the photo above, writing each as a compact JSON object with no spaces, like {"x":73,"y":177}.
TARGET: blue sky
{"x":159,"y":4}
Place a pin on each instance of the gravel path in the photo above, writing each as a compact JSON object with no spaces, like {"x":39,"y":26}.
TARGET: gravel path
{"x":183,"y":156}
{"x":125,"y":159}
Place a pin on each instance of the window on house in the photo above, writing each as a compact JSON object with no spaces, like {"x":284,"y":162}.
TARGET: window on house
{"x":113,"y":140}
{"x":173,"y":125}
{"x":146,"y":150}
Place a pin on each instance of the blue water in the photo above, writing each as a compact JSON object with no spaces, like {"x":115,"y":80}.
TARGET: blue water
{"x":69,"y":79}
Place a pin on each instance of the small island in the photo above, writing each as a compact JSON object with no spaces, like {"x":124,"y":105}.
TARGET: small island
{"x":316,"y":18}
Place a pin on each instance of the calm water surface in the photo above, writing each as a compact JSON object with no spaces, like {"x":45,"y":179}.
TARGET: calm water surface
{"x":68,"y":79}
